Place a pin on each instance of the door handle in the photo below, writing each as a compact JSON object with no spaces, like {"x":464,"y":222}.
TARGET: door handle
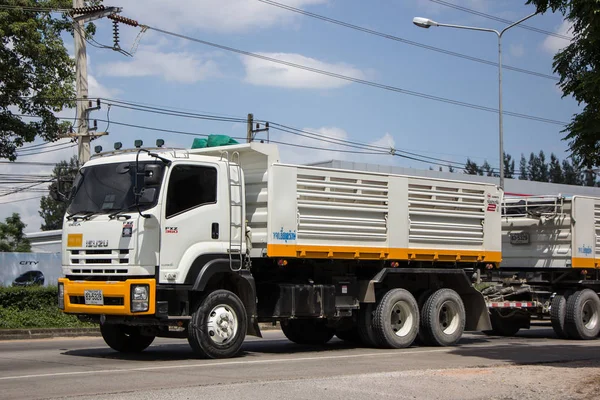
{"x":215,"y":230}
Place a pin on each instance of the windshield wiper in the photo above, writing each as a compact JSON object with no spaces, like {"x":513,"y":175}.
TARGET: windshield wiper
{"x":84,"y":217}
{"x":119,"y":213}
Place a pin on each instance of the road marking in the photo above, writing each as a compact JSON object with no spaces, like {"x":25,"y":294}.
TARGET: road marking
{"x":224,"y":363}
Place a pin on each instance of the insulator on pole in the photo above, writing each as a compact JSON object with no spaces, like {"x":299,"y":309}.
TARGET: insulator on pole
{"x":116,"y":33}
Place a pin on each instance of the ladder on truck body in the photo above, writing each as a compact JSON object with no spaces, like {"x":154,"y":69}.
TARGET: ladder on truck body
{"x":236,"y":209}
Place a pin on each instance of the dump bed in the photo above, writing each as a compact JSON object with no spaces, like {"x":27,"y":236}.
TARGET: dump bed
{"x":551,"y":232}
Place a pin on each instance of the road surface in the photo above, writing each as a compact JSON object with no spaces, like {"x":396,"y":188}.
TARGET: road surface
{"x":530,"y":366}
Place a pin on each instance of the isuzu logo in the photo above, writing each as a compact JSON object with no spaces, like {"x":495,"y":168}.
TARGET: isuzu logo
{"x":96,"y":243}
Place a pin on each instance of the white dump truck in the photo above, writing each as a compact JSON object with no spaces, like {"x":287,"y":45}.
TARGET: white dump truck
{"x":204,"y":244}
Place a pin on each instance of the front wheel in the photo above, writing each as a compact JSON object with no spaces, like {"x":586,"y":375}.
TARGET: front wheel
{"x":125,"y":339}
{"x":218,"y":326}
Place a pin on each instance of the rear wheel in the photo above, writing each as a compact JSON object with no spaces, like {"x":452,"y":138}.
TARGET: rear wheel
{"x":396,"y":319}
{"x":126,"y":339}
{"x":558,"y":313}
{"x":443,"y":318}
{"x":307,"y":331}
{"x":218,"y":326}
{"x":365,"y":325}
{"x":582,"y":319}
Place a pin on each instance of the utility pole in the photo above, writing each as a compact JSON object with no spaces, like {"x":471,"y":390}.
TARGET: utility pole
{"x":81,"y":83}
{"x":81,"y":15}
{"x":249,"y":132}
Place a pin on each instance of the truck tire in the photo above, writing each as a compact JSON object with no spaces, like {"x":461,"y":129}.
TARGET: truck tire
{"x":365,"y":325}
{"x":218,"y":326}
{"x":582,"y":320}
{"x":396,"y":319}
{"x":310,"y":331}
{"x":421,"y":300}
{"x":125,"y":339}
{"x":558,"y":313}
{"x":504,"y":325}
{"x":442,"y":318}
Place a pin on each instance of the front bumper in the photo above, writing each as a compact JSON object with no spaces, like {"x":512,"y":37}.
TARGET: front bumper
{"x":117,"y":297}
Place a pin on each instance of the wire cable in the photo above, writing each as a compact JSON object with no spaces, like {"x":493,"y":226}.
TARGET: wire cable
{"x":363,"y":81}
{"x":405,"y":41}
{"x":506,"y":21}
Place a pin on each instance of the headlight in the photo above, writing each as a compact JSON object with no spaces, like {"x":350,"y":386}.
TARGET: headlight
{"x":139,"y":298}
{"x":61,"y":296}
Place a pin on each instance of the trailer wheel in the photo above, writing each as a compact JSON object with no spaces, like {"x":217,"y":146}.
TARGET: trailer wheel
{"x":396,"y":319}
{"x":421,"y":300}
{"x":583,"y":315}
{"x":125,"y":339}
{"x":307,"y":331}
{"x":218,"y":326}
{"x":365,"y":325}
{"x":504,"y":324}
{"x":443,"y":318}
{"x":558,"y":313}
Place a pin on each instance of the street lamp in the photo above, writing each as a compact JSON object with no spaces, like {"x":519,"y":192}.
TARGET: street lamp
{"x":427,"y":23}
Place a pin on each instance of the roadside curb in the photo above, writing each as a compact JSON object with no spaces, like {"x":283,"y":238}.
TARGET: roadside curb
{"x":47,"y":333}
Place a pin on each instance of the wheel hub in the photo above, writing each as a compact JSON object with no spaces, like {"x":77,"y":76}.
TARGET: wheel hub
{"x":448,"y":318}
{"x":589,"y":315}
{"x":221,"y":324}
{"x":401,"y":318}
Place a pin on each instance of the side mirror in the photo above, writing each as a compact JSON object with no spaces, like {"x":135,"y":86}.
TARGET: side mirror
{"x":147,"y":196}
{"x":153,"y":174}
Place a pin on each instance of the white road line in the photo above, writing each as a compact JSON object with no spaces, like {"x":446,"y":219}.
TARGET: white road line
{"x":225,"y":363}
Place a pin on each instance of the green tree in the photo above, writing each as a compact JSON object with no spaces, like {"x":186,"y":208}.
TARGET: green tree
{"x":578,"y":66}
{"x":523,"y":175}
{"x":572,"y":175}
{"x":589,"y":177}
{"x":52,"y":211}
{"x":486,"y":169}
{"x":544,"y":173}
{"x":471,"y":168}
{"x":509,"y":166}
{"x":533,"y":168}
{"x":556,"y":173}
{"x":36,"y":73}
{"x":12,"y":237}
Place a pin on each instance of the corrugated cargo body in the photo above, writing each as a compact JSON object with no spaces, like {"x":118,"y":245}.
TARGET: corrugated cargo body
{"x":551,"y":232}
{"x":325,"y":213}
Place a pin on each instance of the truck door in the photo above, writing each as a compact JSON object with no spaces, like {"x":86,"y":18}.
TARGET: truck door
{"x":193,"y":219}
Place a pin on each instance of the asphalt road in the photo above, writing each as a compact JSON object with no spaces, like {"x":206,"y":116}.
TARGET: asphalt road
{"x":269,"y":368}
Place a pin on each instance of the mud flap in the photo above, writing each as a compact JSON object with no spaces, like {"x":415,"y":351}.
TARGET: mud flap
{"x":478,"y":317}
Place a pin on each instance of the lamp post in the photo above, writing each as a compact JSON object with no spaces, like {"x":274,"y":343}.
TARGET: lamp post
{"x":427,"y":23}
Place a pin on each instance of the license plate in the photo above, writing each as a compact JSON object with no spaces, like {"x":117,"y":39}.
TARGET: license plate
{"x":519,"y":238}
{"x":94,"y":297}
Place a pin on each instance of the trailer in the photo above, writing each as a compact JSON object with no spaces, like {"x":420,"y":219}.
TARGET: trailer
{"x":204,"y":244}
{"x":550,"y":267}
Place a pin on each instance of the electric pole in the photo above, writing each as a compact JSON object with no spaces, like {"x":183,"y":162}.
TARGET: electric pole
{"x":81,"y":15}
{"x":81,"y":83}
{"x":249,"y":132}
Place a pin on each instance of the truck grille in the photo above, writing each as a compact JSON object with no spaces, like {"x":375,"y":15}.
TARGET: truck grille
{"x":108,"y":301}
{"x":99,"y":257}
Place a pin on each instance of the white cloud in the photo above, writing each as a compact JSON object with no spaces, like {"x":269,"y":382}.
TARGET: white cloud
{"x":267,"y":73}
{"x":553,"y":44}
{"x":181,"y":67}
{"x":212,"y":15}
{"x":96,"y":89}
{"x":516,"y":50}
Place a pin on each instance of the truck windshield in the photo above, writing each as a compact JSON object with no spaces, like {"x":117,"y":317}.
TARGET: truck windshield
{"x":107,"y":188}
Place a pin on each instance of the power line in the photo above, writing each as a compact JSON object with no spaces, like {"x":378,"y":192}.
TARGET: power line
{"x":36,"y":9}
{"x":493,"y":17}
{"x":363,"y":81}
{"x":66,"y":146}
{"x":19,"y":200}
{"x":406,"y":41}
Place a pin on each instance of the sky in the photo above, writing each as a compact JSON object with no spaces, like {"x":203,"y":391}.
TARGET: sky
{"x":174,"y":73}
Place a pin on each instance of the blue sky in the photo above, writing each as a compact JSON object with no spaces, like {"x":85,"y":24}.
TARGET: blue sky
{"x":179,"y":74}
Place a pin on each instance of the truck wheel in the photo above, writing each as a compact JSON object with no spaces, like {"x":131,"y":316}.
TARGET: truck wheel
{"x":307,"y":331}
{"x":218,"y":326}
{"x":421,"y":299}
{"x":126,"y":339}
{"x":504,"y":325}
{"x":558,"y":313}
{"x":396,"y":319}
{"x":583,"y":315}
{"x":348,"y":335}
{"x":365,"y":325}
{"x":443,"y":318}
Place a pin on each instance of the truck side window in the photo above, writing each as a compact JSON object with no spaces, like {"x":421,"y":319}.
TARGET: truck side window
{"x":189,"y":187}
